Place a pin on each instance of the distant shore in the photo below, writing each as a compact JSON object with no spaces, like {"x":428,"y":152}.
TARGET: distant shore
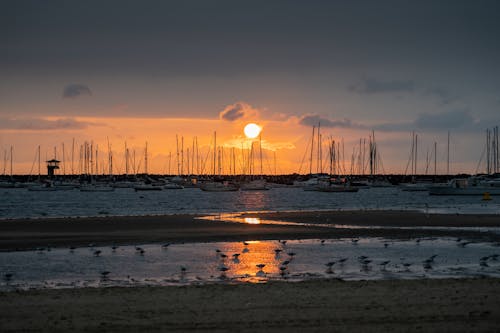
{"x":22,"y":234}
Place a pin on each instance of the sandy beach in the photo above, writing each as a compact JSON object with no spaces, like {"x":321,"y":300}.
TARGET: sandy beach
{"x":312,"y":306}
{"x":21,"y":234}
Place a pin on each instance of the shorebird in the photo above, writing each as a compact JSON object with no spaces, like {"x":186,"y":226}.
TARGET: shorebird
{"x":236,"y":258}
{"x":342,"y":260}
{"x":463,"y":244}
{"x":384,"y":264}
{"x":291,"y":254}
{"x":8,"y":276}
{"x":164,"y":246}
{"x":223,"y":256}
{"x":72,"y":249}
{"x":114,"y":247}
{"x":322,"y":242}
{"x":97,"y":253}
{"x":277,"y":251}
{"x":355,"y":241}
{"x":483,"y":261}
{"x":386,"y":245}
{"x":104,"y":274}
{"x":283,"y":270}
{"x":286,"y":262}
{"x":223,"y":270}
{"x":260,"y":272}
{"x":329,"y":266}
{"x":283,"y":242}
{"x":407,"y":265}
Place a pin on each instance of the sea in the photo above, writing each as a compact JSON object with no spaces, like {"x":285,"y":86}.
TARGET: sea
{"x":241,"y":262}
{"x":21,"y":203}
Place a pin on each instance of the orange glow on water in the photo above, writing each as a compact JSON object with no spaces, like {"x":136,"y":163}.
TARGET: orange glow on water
{"x":256,"y":253}
{"x":252,"y":220}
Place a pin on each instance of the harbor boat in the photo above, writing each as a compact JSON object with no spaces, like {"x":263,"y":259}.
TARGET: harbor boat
{"x":336,"y":188}
{"x":96,"y":188}
{"x":7,"y":184}
{"x":172,"y":186}
{"x":147,"y":187}
{"x":224,"y":186}
{"x":42,"y":187}
{"x":336,"y":185}
{"x":464,"y":186}
{"x":255,"y":185}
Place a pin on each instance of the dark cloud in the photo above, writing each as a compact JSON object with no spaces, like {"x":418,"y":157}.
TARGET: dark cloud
{"x":239,"y":110}
{"x":461,"y":120}
{"x":36,"y":124}
{"x":75,"y":90}
{"x":314,"y":120}
{"x":443,"y":95}
{"x":458,"y":120}
{"x":375,"y":86}
{"x":214,"y":37}
{"x":446,"y":120}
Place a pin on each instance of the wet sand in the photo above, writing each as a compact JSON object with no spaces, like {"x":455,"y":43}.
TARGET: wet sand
{"x":466,"y":305}
{"x":64,"y":232}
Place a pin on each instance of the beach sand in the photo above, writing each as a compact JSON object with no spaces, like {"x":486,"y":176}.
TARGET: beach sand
{"x":311,"y":306}
{"x":64,"y":232}
{"x":314,"y":306}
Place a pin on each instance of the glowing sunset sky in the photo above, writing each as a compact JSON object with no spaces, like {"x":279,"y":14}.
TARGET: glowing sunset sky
{"x":140,"y":71}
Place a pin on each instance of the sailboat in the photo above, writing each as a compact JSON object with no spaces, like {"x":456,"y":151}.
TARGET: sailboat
{"x":214,"y":186}
{"x":255,"y":184}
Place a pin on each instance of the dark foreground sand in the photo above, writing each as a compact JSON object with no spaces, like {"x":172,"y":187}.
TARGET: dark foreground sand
{"x":314,"y":306}
{"x":64,"y":232}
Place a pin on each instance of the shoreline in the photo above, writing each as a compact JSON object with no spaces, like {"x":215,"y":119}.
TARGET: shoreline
{"x":26,"y":234}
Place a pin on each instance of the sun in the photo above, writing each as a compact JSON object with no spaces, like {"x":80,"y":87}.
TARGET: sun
{"x":252,"y":130}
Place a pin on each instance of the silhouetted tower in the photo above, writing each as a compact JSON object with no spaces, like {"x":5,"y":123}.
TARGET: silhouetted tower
{"x":52,"y":165}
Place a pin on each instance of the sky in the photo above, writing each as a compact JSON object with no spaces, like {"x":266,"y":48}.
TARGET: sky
{"x":130,"y":72}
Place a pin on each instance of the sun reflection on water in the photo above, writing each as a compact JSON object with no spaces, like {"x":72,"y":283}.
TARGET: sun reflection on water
{"x":248,"y":256}
{"x":252,"y":220}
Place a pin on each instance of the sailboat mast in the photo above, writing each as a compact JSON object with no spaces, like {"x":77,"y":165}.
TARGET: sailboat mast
{"x":39,"y":164}
{"x":312,"y":151}
{"x":11,"y":160}
{"x":435,"y":158}
{"x":318,"y":166}
{"x":72,"y":156}
{"x":215,"y":153}
{"x":448,"y":156}
{"x":260,"y":153}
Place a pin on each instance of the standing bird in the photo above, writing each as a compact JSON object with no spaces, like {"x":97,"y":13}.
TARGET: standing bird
{"x":260,"y":272}
{"x":384,"y":264}
{"x":329,"y":266}
{"x":97,"y":253}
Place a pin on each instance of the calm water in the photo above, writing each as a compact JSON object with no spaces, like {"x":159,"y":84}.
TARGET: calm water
{"x":20,"y":203}
{"x":62,"y":268}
